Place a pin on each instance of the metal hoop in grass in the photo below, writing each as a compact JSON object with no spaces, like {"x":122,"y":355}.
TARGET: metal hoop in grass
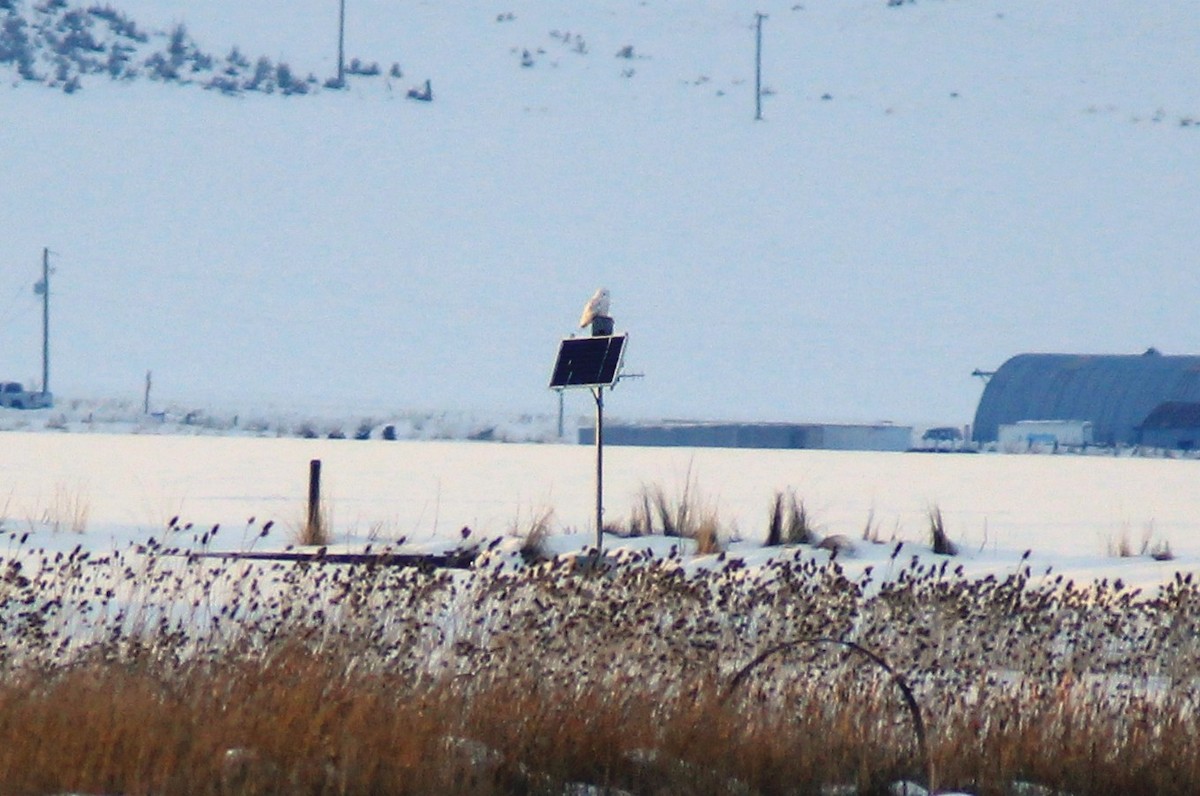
{"x":909,"y":699}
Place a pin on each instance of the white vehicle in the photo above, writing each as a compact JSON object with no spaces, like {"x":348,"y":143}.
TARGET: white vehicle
{"x":14,"y":396}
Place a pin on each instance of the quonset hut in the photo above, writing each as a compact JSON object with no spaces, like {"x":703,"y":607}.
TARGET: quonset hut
{"x":1149,"y":399}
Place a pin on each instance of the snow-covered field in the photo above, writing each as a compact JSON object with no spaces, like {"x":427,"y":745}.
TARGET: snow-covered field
{"x":1073,"y":512}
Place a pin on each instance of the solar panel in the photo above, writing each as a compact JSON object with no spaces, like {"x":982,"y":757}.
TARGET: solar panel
{"x":588,"y":361}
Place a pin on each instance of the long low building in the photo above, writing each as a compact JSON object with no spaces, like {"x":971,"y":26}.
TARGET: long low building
{"x":816,"y":436}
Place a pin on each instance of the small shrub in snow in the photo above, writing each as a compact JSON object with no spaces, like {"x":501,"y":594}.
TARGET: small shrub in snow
{"x":287,"y":82}
{"x":118,"y":63}
{"x":422,"y":94}
{"x":775,"y":526}
{"x":235,"y":62}
{"x":357,"y":67}
{"x":534,"y":535}
{"x":263,"y":78}
{"x":16,"y":48}
{"x":937,"y":530}
{"x":1161,"y":551}
{"x":118,"y":22}
{"x":790,"y":521}
{"x":159,"y":67}
{"x":225,"y":84}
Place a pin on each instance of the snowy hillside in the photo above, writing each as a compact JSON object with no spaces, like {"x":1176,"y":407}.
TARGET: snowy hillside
{"x":935,"y":186}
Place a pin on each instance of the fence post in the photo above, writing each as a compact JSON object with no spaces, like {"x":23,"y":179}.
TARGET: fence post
{"x":314,"y":499}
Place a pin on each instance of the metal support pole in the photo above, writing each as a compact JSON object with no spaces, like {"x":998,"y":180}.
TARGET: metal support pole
{"x":560,"y":414}
{"x":599,"y":395}
{"x":758,"y":66}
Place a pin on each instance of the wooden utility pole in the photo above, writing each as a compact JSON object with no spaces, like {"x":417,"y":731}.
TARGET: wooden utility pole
{"x":146,"y":402}
{"x":43,"y":288}
{"x":759,"y":17}
{"x":341,"y":42}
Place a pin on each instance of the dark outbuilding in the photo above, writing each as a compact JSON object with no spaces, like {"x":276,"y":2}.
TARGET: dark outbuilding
{"x":1118,"y":394}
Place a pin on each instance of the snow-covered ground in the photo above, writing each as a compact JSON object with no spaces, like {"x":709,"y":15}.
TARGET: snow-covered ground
{"x":935,"y":186}
{"x":1074,"y":513}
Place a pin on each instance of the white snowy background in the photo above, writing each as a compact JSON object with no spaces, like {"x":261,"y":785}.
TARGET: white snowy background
{"x":935,"y":187}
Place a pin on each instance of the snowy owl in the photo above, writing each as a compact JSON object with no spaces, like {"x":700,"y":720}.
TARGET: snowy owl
{"x":597,"y":307}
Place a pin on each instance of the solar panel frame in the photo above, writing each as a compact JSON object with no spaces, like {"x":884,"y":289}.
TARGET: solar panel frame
{"x":589,"y":361}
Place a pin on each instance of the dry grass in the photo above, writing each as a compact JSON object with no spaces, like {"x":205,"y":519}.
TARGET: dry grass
{"x":641,"y":517}
{"x":1122,"y":546}
{"x":156,"y":673}
{"x":687,"y":516}
{"x":939,"y":540}
{"x":1161,"y":551}
{"x":790,"y":521}
{"x":870,"y":531}
{"x":533,"y":534}
{"x":707,"y":534}
{"x":316,"y":530}
{"x":69,"y":510}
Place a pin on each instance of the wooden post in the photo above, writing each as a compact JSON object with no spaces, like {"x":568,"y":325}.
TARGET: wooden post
{"x":314,"y":499}
{"x":146,"y":401}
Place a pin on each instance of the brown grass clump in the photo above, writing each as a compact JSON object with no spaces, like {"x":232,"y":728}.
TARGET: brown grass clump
{"x":316,"y":529}
{"x":939,"y":541}
{"x":799,"y":529}
{"x":707,"y":534}
{"x":790,"y":521}
{"x":687,"y":516}
{"x":534,"y":535}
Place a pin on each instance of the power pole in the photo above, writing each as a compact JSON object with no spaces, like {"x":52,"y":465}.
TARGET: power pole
{"x":43,"y":288}
{"x":341,"y":41}
{"x":758,"y":20}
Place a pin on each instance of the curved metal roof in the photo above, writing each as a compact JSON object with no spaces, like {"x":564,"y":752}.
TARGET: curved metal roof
{"x":1114,"y":392}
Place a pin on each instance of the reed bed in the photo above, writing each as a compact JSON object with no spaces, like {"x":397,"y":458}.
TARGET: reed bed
{"x":155,"y":671}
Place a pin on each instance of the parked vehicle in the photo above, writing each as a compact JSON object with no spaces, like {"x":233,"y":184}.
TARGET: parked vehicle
{"x":14,"y":396}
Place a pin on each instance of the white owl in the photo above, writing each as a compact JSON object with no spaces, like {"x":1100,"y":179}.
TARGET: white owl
{"x":597,"y":307}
